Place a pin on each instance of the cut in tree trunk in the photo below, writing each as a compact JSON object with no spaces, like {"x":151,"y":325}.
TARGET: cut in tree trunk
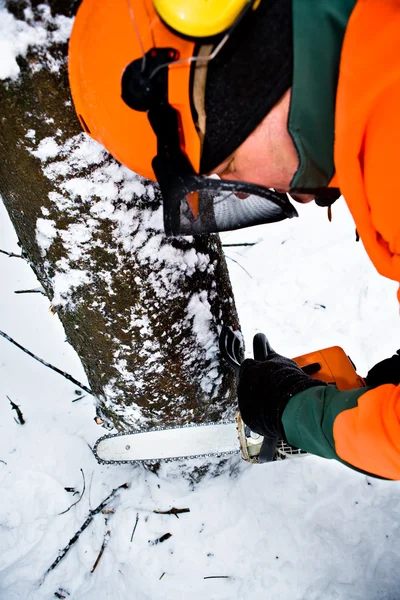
{"x":141,"y":310}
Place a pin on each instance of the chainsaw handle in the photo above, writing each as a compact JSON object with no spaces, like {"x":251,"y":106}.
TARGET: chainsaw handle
{"x":261,"y":347}
{"x":261,"y":350}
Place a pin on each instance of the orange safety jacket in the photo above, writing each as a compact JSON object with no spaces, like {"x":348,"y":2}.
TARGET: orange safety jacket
{"x":362,"y":428}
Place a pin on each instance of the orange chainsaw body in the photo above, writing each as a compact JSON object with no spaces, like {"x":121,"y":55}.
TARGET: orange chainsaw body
{"x":333,"y":366}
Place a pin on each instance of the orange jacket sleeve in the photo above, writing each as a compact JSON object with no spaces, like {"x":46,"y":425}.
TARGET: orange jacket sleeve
{"x":368,"y":435}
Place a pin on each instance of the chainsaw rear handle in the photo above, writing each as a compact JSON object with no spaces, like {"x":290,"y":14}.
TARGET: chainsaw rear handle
{"x":331,"y":365}
{"x":231,"y":349}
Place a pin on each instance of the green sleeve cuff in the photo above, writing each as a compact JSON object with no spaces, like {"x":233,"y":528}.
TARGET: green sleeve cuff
{"x":309,"y":417}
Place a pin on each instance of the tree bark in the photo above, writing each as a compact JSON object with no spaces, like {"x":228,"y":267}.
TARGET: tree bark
{"x":141,"y":310}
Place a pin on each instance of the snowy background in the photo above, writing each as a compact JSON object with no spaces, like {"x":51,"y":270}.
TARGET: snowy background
{"x":302,"y":529}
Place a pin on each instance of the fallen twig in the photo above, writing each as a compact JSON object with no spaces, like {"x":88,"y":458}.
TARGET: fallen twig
{"x":60,"y":593}
{"x":172,"y":511}
{"x":134,"y":529}
{"x":86,"y":524}
{"x":218,"y":577}
{"x":161,"y":576}
{"x":244,"y":244}
{"x":80,"y":398}
{"x":34,"y":291}
{"x":11,"y":254}
{"x":15,"y":407}
{"x":46,"y":364}
{"x":108,"y":533}
{"x":239,"y":265}
{"x":80,"y":497}
{"x":3,"y":461}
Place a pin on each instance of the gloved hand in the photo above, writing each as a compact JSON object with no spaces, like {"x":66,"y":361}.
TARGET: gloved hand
{"x":386,"y":371}
{"x":264,"y":390}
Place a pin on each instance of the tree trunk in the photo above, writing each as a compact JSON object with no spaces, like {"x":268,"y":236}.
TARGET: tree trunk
{"x":141,"y":310}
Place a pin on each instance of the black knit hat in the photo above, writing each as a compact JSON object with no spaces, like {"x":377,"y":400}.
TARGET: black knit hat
{"x":246,"y":79}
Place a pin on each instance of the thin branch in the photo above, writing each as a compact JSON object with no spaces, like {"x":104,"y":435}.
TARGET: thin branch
{"x":15,"y":407}
{"x":172,"y":511}
{"x":11,"y":254}
{"x":235,"y":245}
{"x":80,"y":497}
{"x":33,"y":291}
{"x":218,"y":577}
{"x":86,"y":524}
{"x":90,"y":484}
{"x":3,"y":461}
{"x":108,"y":533}
{"x":134,"y":529}
{"x":80,"y":398}
{"x":46,"y":364}
{"x":238,"y":263}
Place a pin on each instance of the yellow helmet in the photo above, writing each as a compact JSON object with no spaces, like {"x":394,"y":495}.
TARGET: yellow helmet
{"x":202,"y":19}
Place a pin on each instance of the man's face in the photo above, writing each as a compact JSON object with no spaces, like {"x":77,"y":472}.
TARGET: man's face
{"x":268,"y":156}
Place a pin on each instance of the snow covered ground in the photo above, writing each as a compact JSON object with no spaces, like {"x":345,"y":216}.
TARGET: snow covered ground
{"x":306,"y":529}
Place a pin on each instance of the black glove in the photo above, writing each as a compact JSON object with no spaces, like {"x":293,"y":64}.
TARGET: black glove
{"x":386,"y":371}
{"x":264,"y":390}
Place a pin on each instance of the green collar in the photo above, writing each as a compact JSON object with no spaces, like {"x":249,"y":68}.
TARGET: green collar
{"x":318,"y":32}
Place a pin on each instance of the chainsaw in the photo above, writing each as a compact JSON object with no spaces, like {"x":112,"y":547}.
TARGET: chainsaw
{"x":331,"y":365}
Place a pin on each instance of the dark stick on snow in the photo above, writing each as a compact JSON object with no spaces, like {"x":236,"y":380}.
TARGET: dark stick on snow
{"x":172,"y":511}
{"x":218,"y":577}
{"x":239,"y":265}
{"x":46,"y":364}
{"x":234,"y":245}
{"x":85,"y":525}
{"x":108,"y":533}
{"x":80,"y":398}
{"x":3,"y":461}
{"x":80,"y":497}
{"x":134,"y":529}
{"x":11,"y":254}
{"x":60,"y":593}
{"x":15,"y":407}
{"x":35,"y":291}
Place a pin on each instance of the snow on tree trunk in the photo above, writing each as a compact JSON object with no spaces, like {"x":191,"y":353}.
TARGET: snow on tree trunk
{"x":142,"y":311}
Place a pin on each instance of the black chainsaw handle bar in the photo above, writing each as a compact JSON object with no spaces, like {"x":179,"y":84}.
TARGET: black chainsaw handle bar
{"x":261,"y":349}
{"x":231,"y":349}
